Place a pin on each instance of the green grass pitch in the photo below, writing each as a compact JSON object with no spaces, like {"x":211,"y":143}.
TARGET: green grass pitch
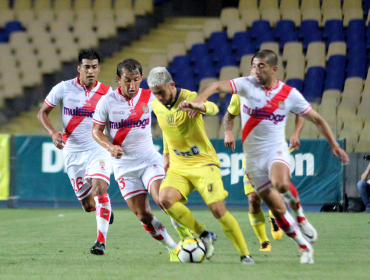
{"x":55,"y":244}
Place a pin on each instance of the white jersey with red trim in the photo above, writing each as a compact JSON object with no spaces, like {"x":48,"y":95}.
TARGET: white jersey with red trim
{"x":77,"y":108}
{"x":128,"y":122}
{"x":264,"y":113}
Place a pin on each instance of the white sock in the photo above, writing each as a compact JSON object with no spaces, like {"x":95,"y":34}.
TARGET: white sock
{"x":159,"y":232}
{"x":103,"y":212}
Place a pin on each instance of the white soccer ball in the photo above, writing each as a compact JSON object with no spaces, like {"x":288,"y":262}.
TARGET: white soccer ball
{"x":191,"y":250}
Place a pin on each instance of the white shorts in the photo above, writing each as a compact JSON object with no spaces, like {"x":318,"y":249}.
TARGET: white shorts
{"x":258,"y":169}
{"x":83,"y":166}
{"x":137,"y":177}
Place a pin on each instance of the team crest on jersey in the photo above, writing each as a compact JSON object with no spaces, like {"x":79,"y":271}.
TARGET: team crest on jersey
{"x":145,"y":109}
{"x":170,"y":119}
{"x":102,"y":164}
{"x":279,"y":153}
{"x":281,"y":105}
{"x":210,"y":187}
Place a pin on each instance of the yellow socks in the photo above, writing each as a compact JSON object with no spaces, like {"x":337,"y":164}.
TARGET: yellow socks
{"x":181,"y":214}
{"x":258,"y":223}
{"x":232,"y":231}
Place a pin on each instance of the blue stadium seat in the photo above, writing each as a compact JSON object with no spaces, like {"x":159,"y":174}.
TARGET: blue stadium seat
{"x":335,"y":72}
{"x":310,"y":32}
{"x":259,"y":27}
{"x":356,"y":31}
{"x":333,"y":31}
{"x":313,"y":84}
{"x":283,"y":27}
{"x":3,"y":37}
{"x":198,"y":51}
{"x":186,"y":80}
{"x":240,"y":39}
{"x":221,"y":51}
{"x":13,"y":26}
{"x":265,"y":38}
{"x":366,"y":6}
{"x":223,"y":106}
{"x":356,"y":50}
{"x":296,"y":83}
{"x":204,"y":68}
{"x":217,"y":39}
{"x":243,"y":50}
{"x":226,"y":60}
{"x":179,"y":63}
{"x":144,"y":84}
{"x":288,"y":37}
{"x":215,"y":98}
{"x":356,"y":68}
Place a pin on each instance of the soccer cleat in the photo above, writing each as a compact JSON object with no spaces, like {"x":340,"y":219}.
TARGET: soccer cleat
{"x":208,"y":239}
{"x":184,"y":232}
{"x":111,"y":219}
{"x":307,"y":256}
{"x":98,"y":248}
{"x":308,"y":231}
{"x":266,"y":246}
{"x":247,"y":259}
{"x":173,"y":255}
{"x":276,"y":232}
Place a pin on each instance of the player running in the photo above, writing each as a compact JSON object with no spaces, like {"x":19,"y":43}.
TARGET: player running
{"x":193,"y":163}
{"x":88,"y":165}
{"x":138,"y":167}
{"x":256,"y":215}
{"x":267,"y":102}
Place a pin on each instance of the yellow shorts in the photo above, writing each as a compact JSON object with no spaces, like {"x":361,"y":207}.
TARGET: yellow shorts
{"x":206,"y":180}
{"x":248,"y":188}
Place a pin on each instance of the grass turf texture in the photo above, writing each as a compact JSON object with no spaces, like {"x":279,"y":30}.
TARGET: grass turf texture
{"x":39,"y":244}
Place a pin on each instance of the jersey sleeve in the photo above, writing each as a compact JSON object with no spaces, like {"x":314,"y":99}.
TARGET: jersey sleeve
{"x":300,"y":105}
{"x":101,"y":112}
{"x":241,"y":86}
{"x":234,"y":107}
{"x":55,"y":95}
{"x":211,"y":108}
{"x":165,"y":145}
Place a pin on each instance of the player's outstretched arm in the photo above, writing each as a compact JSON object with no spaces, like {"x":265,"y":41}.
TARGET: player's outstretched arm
{"x":294,"y":142}
{"x":56,"y":136}
{"x":212,"y":88}
{"x":229,"y":139}
{"x":325,"y":130}
{"x":99,"y":136}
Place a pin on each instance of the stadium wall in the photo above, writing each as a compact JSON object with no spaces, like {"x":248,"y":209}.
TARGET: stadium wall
{"x":39,"y":174}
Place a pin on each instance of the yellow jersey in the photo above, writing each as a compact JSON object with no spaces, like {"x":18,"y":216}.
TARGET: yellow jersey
{"x":185,"y":138}
{"x":234,"y":107}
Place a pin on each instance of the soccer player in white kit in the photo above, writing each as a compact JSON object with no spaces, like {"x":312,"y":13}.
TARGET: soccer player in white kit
{"x":88,"y":165}
{"x":267,"y":102}
{"x":138,"y":167}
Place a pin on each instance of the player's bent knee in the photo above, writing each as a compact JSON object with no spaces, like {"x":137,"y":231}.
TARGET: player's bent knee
{"x":100,"y":186}
{"x":218,"y":209}
{"x":282,"y":187}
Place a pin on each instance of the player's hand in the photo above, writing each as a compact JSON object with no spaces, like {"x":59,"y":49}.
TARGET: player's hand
{"x":115,"y":151}
{"x":229,"y":140}
{"x":193,"y":113}
{"x":294,"y":143}
{"x":337,"y":151}
{"x":189,"y":106}
{"x":57,"y":139}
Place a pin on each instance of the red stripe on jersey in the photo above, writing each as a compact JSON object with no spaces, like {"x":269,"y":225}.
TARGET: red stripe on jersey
{"x":233,"y":86}
{"x":98,"y":175}
{"x":150,"y":181}
{"x":135,"y":116}
{"x":273,"y":106}
{"x":85,"y":193}
{"x":49,"y":104}
{"x":308,"y":109}
{"x":98,"y":123}
{"x":90,"y":105}
{"x":130,"y":193}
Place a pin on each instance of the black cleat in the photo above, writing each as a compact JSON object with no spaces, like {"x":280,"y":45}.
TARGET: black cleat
{"x":98,"y":248}
{"x":111,"y":218}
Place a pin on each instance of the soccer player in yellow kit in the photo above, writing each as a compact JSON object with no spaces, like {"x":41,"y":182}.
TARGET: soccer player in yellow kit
{"x":191,"y":163}
{"x":256,"y":216}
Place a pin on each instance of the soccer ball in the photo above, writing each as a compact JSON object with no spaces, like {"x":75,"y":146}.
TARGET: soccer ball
{"x":191,"y":250}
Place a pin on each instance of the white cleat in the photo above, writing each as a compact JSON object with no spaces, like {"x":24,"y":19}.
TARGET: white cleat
{"x":247,"y":260}
{"x":308,"y":231}
{"x":307,"y":256}
{"x":208,"y":241}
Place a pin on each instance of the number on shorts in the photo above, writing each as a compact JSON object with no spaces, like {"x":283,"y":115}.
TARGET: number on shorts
{"x":77,"y":185}
{"x":121,"y":183}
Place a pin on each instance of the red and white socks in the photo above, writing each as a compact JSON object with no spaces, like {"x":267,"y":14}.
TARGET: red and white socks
{"x":290,"y":228}
{"x":158,"y":231}
{"x":103,"y":212}
{"x":291,"y":198}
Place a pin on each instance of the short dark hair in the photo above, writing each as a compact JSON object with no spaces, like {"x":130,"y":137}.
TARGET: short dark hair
{"x":269,"y":55}
{"x":88,"y":54}
{"x":130,"y":65}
